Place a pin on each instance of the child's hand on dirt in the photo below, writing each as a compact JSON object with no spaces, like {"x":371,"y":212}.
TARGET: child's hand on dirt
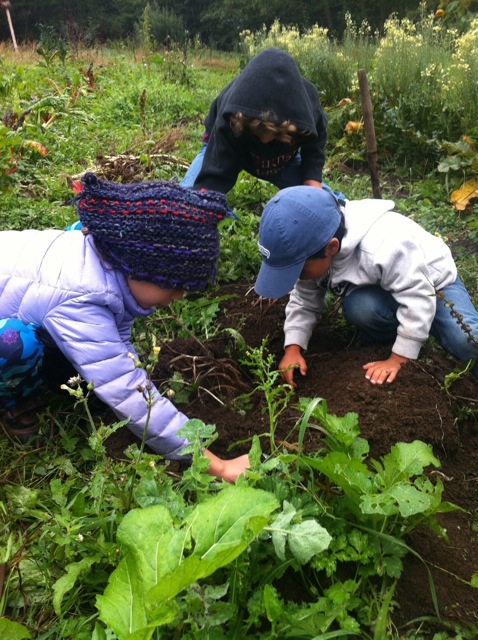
{"x":228,"y":470}
{"x":291,"y":360}
{"x":313,"y":183}
{"x":384,"y":370}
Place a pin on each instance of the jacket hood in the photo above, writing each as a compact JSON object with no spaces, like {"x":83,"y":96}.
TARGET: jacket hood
{"x":271,"y":81}
{"x":360,"y":216}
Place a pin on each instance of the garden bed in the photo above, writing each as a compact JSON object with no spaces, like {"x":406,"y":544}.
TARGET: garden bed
{"x":414,"y":407}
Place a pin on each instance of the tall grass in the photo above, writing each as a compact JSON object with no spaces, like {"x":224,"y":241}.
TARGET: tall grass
{"x":423,"y":78}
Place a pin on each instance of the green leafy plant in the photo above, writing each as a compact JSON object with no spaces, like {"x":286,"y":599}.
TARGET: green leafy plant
{"x":276,"y":396}
{"x":161,"y":557}
{"x":10,"y":154}
{"x":51,"y":47}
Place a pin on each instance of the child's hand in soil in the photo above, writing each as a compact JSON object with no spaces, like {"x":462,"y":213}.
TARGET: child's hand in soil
{"x":291,"y":360}
{"x":384,"y":370}
{"x":228,"y":470}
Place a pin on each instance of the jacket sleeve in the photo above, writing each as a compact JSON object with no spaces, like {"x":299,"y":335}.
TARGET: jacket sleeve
{"x":313,"y":152}
{"x":306,"y":303}
{"x":88,"y":336}
{"x":222,"y":161}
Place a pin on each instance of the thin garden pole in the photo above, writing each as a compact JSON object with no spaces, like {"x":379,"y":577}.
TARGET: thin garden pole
{"x":6,"y":5}
{"x":369,"y":130}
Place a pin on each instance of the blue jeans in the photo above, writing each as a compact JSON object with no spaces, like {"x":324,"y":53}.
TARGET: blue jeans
{"x":289,"y":177}
{"x":373,"y":311}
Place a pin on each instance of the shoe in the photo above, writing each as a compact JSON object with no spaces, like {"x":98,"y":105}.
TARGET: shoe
{"x":21,"y":421}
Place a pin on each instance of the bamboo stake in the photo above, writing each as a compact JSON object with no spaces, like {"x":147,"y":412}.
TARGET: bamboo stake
{"x":6,"y":5}
{"x":369,"y":130}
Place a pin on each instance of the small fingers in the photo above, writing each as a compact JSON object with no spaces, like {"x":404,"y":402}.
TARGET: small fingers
{"x":287,"y":376}
{"x":379,"y":375}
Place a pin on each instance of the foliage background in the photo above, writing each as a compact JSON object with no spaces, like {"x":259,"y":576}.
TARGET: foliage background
{"x":216,"y":24}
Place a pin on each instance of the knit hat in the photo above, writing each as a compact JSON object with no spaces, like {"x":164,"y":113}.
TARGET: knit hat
{"x":296,"y":224}
{"x":154,"y":231}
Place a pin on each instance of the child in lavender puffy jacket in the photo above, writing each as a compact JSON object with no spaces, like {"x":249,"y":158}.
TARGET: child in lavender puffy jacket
{"x":142,"y":246}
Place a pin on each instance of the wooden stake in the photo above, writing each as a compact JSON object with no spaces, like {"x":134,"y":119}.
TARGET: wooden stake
{"x":369,"y":129}
{"x":6,"y":5}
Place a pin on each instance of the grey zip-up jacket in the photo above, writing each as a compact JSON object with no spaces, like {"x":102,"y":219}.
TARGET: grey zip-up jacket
{"x":381,"y":247}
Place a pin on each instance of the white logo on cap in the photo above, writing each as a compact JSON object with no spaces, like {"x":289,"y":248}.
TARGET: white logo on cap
{"x":263,"y":251}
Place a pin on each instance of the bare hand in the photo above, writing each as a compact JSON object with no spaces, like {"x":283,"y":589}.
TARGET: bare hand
{"x":313,"y":183}
{"x":384,"y":370}
{"x":291,"y":360}
{"x":228,"y":470}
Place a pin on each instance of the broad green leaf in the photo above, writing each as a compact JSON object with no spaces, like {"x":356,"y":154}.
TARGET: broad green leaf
{"x":403,"y":498}
{"x":222,"y":528}
{"x":280,"y":529}
{"x":307,"y":539}
{"x":12,"y":630}
{"x":352,"y":476}
{"x":401,"y":486}
{"x":272,"y":603}
{"x":98,"y":633}
{"x":67,"y":581}
{"x":406,"y":460}
{"x":344,"y":428}
{"x":161,"y":559}
{"x":220,"y":522}
{"x":152,"y":549}
{"x":410,"y":500}
{"x":7,"y":549}
{"x":255,"y":454}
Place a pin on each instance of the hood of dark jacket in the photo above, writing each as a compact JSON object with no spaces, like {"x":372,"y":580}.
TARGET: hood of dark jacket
{"x":272,"y":81}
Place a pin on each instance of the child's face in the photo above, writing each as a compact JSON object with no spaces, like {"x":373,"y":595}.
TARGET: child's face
{"x":315,"y":269}
{"x":148,"y":294}
{"x":265,"y":137}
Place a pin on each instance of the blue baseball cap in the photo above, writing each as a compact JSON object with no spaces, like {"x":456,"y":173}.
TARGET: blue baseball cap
{"x":296,"y":223}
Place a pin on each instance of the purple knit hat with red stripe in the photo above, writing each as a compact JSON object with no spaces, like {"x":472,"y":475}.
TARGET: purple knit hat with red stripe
{"x":154,"y":231}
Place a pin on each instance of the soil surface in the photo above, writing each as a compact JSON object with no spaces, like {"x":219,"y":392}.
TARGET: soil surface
{"x":414,"y":407}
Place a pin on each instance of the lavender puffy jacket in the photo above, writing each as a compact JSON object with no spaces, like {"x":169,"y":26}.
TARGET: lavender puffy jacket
{"x":56,"y":280}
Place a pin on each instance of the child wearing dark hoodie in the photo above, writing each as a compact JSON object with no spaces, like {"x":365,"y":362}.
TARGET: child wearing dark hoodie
{"x":267,"y":121}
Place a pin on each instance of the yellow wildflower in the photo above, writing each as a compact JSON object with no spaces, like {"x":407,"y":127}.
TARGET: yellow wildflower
{"x":353,"y":127}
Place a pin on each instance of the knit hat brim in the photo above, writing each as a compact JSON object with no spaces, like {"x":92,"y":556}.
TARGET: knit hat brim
{"x":155,"y":231}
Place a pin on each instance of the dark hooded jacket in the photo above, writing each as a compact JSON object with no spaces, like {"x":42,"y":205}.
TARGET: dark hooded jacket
{"x":270,"y":82}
